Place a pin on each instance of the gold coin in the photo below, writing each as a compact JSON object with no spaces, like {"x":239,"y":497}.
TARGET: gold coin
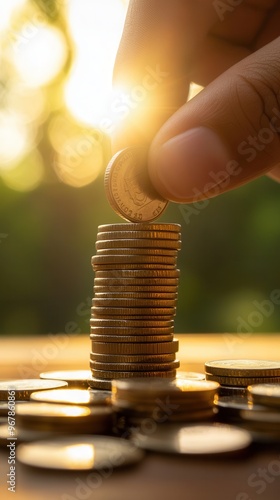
{"x":138,"y":251}
{"x":183,"y":389}
{"x":132,"y":358}
{"x":141,"y":294}
{"x":242,"y":381}
{"x":157,"y":283}
{"x":97,"y":383}
{"x":129,"y":338}
{"x":174,"y":228}
{"x":111,"y":375}
{"x":138,"y":235}
{"x":139,"y":273}
{"x":73,"y":397}
{"x":138,"y":243}
{"x":137,"y":348}
{"x":130,"y":323}
{"x":133,"y":267}
{"x":99,"y":260}
{"x":62,"y":418}
{"x":134,"y":303}
{"x":212,"y":439}
{"x":136,"y":367}
{"x":79,"y":453}
{"x":74,"y":378}
{"x":136,"y":312}
{"x":129,"y":189}
{"x":125,"y":331}
{"x":187,"y":416}
{"x":243,"y":368}
{"x":265,"y":394}
{"x":22,"y":388}
{"x":191,"y":375}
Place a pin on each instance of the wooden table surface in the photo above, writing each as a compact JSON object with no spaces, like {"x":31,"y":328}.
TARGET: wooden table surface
{"x":255,"y":475}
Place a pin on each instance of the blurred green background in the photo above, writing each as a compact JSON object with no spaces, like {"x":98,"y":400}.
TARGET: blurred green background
{"x":56,"y":64}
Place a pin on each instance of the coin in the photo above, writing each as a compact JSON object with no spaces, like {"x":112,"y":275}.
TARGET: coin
{"x":22,"y":388}
{"x":138,"y":235}
{"x":123,"y":332}
{"x":241,"y":381}
{"x":136,"y":348}
{"x":139,"y":273}
{"x":100,"y":260}
{"x":169,"y":291}
{"x":106,"y":374}
{"x":139,"y":367}
{"x":63,"y":418}
{"x":75,"y":378}
{"x":73,"y":397}
{"x":137,"y":312}
{"x":139,"y":243}
{"x":152,"y":304}
{"x":132,"y":358}
{"x":124,"y":294}
{"x":140,"y":226}
{"x":129,"y":189}
{"x":138,"y":251}
{"x":243,"y":368}
{"x":265,"y":394}
{"x":131,"y":323}
{"x":6,"y":407}
{"x":190,"y":375}
{"x":130,"y":338}
{"x":211,"y":439}
{"x":79,"y":453}
{"x":183,"y":389}
{"x":98,"y":383}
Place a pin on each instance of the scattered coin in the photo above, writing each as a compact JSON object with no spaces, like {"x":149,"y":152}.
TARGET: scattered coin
{"x":74,"y":378}
{"x":62,"y":418}
{"x":241,"y":381}
{"x":73,"y":396}
{"x":213,"y":439}
{"x":265,"y":394}
{"x":79,"y":453}
{"x":243,"y":368}
{"x":24,"y":387}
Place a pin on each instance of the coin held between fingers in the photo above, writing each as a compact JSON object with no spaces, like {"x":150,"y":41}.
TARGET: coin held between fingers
{"x":129,"y":189}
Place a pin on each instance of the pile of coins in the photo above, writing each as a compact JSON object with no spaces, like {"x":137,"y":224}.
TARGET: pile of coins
{"x":240,"y":373}
{"x":179,"y":400}
{"x":134,"y":304}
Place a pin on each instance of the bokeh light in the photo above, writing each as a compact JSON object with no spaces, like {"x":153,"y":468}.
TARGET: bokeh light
{"x":26,"y":175}
{"x":38,"y":58}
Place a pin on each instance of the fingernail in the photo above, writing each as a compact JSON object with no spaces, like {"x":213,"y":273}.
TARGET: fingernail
{"x":188,"y":163}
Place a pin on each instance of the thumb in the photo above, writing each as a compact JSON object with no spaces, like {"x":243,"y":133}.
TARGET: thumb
{"x":226,"y":136}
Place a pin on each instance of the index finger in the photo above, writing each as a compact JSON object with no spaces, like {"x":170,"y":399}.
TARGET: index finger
{"x":152,"y":63}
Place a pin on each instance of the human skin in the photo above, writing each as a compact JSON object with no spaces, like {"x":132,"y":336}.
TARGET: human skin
{"x":229,"y":134}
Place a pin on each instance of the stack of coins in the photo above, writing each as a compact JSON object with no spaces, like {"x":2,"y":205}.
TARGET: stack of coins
{"x":135,"y":293}
{"x":162,"y":400}
{"x":233,"y":373}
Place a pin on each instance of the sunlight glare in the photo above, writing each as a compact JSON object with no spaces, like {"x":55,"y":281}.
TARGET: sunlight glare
{"x":96,"y":36}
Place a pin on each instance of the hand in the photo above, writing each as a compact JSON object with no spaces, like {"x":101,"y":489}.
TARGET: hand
{"x":227,"y":135}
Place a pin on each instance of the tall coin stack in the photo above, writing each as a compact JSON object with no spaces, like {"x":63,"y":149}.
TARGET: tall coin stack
{"x":134,"y":304}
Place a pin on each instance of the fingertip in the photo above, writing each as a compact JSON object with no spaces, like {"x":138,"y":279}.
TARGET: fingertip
{"x":186,"y":167}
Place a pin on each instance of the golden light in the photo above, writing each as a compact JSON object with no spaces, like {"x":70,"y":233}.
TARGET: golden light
{"x":79,"y":161}
{"x":68,"y":396}
{"x":38,"y":57}
{"x":7,"y":8}
{"x":28,"y":103}
{"x":96,"y":30}
{"x":15,"y":140}
{"x":79,"y":455}
{"x":27,"y":175}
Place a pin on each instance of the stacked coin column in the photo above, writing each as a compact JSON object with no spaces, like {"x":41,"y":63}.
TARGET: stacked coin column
{"x":134,"y":304}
